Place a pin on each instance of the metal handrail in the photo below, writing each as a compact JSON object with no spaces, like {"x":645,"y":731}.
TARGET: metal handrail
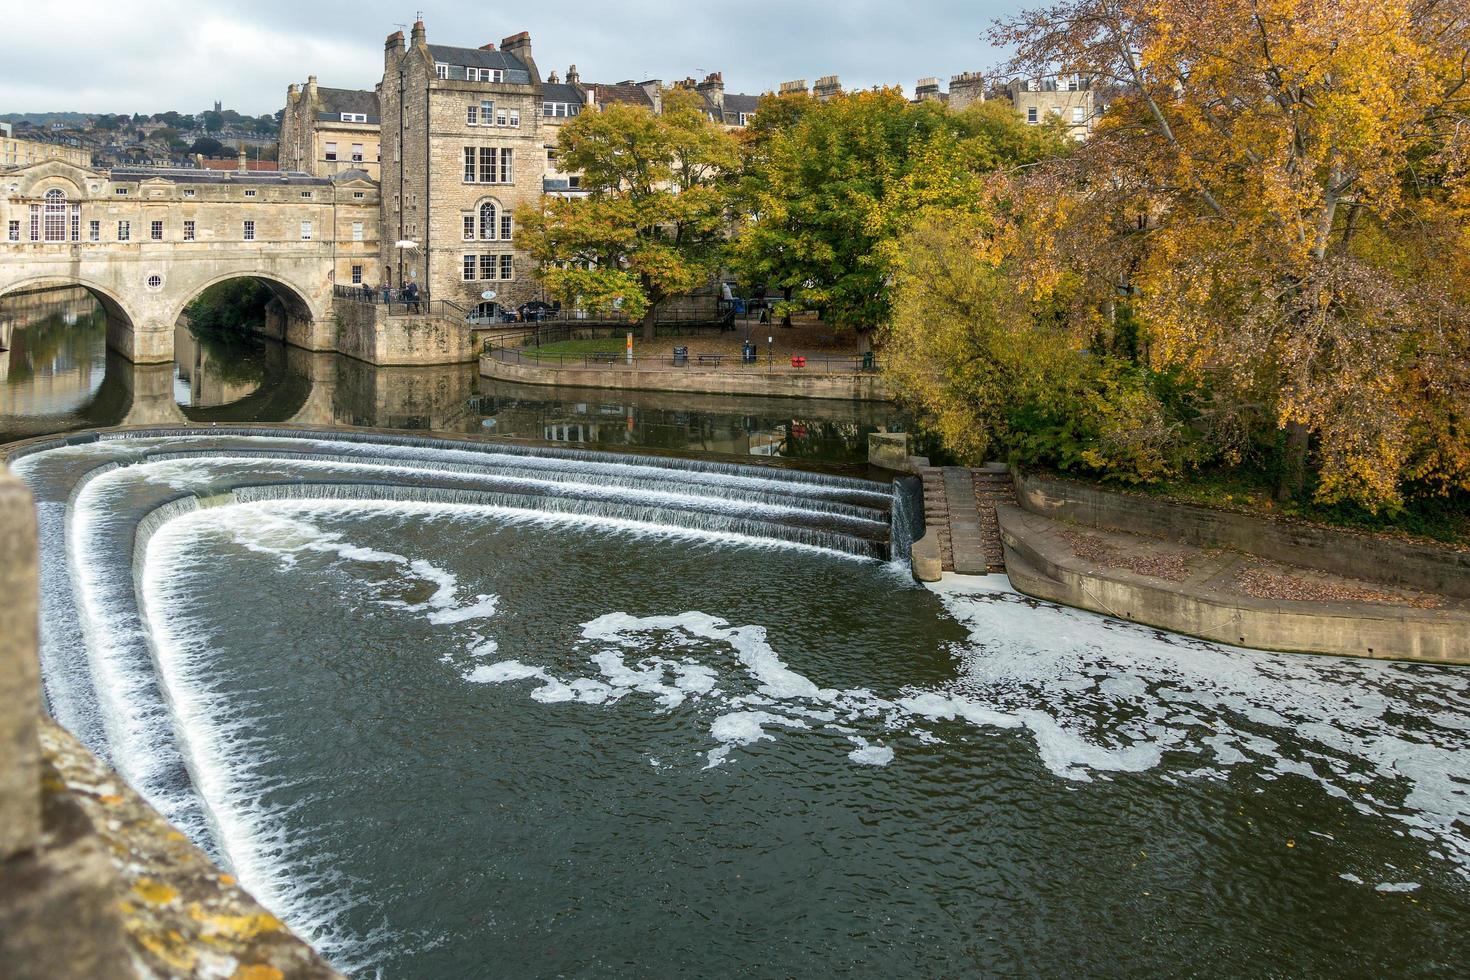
{"x":814,"y":363}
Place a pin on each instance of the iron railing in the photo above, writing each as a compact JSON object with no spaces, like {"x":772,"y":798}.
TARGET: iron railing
{"x":764,"y":362}
{"x":396,"y":305}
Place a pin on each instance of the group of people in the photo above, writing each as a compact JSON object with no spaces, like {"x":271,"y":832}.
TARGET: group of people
{"x":409,"y":295}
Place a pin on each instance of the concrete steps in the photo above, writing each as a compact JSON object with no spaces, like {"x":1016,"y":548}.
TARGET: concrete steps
{"x":959,"y":510}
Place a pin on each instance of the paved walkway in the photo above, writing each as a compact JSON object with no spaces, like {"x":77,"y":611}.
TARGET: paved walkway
{"x":959,"y":506}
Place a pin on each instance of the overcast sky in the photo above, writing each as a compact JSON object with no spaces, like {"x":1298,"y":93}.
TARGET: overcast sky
{"x":155,"y":55}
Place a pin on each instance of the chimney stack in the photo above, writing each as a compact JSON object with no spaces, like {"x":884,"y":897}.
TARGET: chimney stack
{"x":418,"y":33}
{"x":927,"y":90}
{"x":572,"y":77}
{"x":393,"y":49}
{"x":966,"y":89}
{"x":243,"y":161}
{"x":518,"y":45}
{"x":790,"y":88}
{"x":713,"y":88}
{"x":827,"y":87}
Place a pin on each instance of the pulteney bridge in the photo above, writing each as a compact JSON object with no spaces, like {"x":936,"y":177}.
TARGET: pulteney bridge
{"x":146,"y":243}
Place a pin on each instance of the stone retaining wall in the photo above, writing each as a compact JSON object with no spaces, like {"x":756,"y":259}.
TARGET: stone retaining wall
{"x":852,"y":386}
{"x":1037,"y":568}
{"x":365,"y":331}
{"x":1422,"y":567}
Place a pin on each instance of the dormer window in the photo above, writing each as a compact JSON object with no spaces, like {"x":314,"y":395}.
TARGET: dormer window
{"x":354,"y":117}
{"x":484,"y":74}
{"x":441,"y":69}
{"x":559,"y":109}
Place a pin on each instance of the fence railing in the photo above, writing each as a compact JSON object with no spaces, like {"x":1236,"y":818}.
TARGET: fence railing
{"x":396,"y":305}
{"x":501,"y":349}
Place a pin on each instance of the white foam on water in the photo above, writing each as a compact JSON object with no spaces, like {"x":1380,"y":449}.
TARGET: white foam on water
{"x":225,"y":752}
{"x":1391,"y":887}
{"x":867,"y":754}
{"x":744,"y":728}
{"x":1354,"y":879}
{"x":1100,"y":695}
{"x":264,"y":529}
{"x":1098,"y":698}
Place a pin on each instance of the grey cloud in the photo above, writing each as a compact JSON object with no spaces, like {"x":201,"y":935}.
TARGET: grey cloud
{"x":153,"y":55}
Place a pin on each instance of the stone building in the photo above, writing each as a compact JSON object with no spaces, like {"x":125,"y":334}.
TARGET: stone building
{"x":1070,"y":97}
{"x":327,"y":131}
{"x":465,"y":138}
{"x":20,"y":153}
{"x":469,"y":135}
{"x":730,"y":109}
{"x":146,"y":242}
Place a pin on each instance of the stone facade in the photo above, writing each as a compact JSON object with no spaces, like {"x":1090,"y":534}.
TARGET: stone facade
{"x":147,"y":242}
{"x":21,"y":153}
{"x":329,"y":131}
{"x":1070,"y":97}
{"x":464,"y":145}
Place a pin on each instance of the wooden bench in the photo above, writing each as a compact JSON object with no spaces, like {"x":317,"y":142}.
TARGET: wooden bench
{"x":713,"y":359}
{"x":604,"y":357}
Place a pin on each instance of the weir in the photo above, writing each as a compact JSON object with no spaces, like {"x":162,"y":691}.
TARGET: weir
{"x":103,"y":498}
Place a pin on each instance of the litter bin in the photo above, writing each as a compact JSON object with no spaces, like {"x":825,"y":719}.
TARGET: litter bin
{"x":747,"y":352}
{"x":681,"y":356}
{"x":868,"y":362}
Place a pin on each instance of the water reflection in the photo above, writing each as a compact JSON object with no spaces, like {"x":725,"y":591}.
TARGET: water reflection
{"x":210,"y":371}
{"x":53,"y":361}
{"x":825,"y":431}
{"x":58,"y":375}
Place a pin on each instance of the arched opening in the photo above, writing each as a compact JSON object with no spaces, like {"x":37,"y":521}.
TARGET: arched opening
{"x":488,"y":225}
{"x":230,"y":356}
{"x":57,"y":371}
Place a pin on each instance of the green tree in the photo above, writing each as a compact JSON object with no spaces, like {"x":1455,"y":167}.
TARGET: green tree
{"x":208,"y":146}
{"x":653,"y":225}
{"x":828,"y":187}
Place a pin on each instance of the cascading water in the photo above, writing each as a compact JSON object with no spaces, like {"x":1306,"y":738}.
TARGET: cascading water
{"x":453,"y":708}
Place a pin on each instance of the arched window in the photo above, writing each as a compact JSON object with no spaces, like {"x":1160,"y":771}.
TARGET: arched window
{"x":55,"y":215}
{"x":487,"y":221}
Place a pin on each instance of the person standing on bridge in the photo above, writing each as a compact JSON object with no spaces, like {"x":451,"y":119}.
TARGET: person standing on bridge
{"x":411,"y":298}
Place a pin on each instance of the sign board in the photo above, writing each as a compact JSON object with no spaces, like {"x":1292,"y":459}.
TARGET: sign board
{"x":488,"y":294}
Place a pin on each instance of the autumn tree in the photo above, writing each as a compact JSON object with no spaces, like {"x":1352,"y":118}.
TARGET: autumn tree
{"x":654,"y":221}
{"x":1277,"y":199}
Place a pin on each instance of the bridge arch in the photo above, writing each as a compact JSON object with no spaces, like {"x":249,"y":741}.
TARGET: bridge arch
{"x":294,"y":297}
{"x":120,"y":320}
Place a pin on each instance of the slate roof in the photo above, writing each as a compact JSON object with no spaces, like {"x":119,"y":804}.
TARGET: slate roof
{"x":181,"y":176}
{"x":339,"y":100}
{"x":561,"y":92}
{"x":741,"y":103}
{"x":624,"y":93}
{"x":476,"y":58}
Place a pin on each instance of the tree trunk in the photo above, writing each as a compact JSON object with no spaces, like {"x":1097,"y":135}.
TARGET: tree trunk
{"x":1293,"y":474}
{"x":786,"y":315}
{"x":650,"y":318}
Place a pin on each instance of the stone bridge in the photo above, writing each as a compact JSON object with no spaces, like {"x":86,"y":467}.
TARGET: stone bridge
{"x":146,"y":243}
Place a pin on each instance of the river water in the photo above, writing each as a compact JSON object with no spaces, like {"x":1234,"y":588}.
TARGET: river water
{"x":481,"y":710}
